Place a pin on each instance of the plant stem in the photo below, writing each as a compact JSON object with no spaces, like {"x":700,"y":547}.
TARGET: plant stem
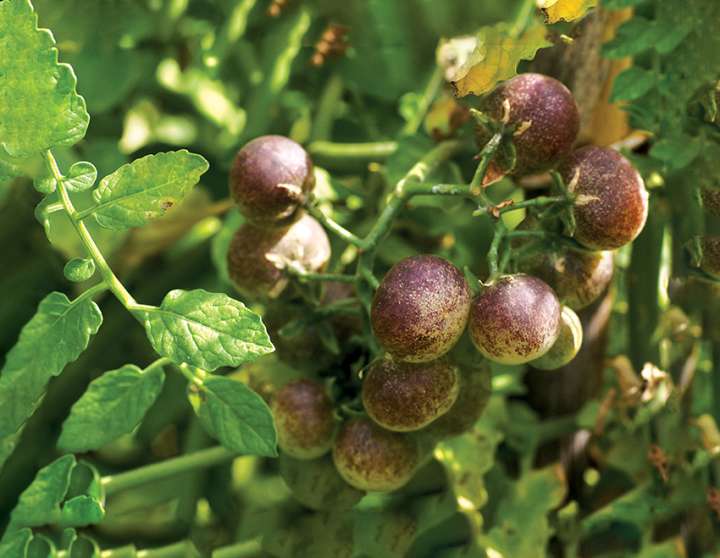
{"x":343,"y":152}
{"x":325,"y":115}
{"x":183,"y":549}
{"x":540,"y":201}
{"x":492,"y":255}
{"x":91,"y":292}
{"x":171,"y":467}
{"x":308,"y":276}
{"x":110,"y":279}
{"x":334,"y":227}
{"x":428,"y":96}
{"x":486,"y":155}
{"x":240,"y":550}
{"x":159,"y":363}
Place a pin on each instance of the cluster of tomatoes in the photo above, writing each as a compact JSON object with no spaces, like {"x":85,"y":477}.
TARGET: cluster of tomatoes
{"x":424,"y":315}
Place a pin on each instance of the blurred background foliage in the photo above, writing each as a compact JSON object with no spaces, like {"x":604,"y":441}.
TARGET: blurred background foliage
{"x":615,"y":455}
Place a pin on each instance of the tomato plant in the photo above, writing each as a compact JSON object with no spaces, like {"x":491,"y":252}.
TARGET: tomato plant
{"x":380,"y":279}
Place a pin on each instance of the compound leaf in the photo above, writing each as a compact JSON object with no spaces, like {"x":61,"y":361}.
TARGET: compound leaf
{"x":146,"y":188}
{"x":113,"y":405}
{"x":237,"y":416}
{"x":55,"y":336}
{"x":207,"y":330}
{"x":496,"y":56}
{"x":36,"y":92}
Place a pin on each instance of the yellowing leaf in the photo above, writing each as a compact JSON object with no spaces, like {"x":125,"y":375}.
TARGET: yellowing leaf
{"x":569,"y":10}
{"x":497,"y":55}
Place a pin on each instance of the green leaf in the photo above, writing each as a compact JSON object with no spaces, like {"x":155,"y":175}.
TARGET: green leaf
{"x":81,"y":511}
{"x":467,"y":458}
{"x":38,"y":93}
{"x":671,"y":34}
{"x":113,"y":405}
{"x":146,"y":188}
{"x":79,"y":269}
{"x":55,"y":336}
{"x":677,"y":151}
{"x":521,"y":524}
{"x":237,"y":416}
{"x":45,"y":184}
{"x":40,"y":503}
{"x":81,"y":176}
{"x":207,"y":330}
{"x":15,"y":543}
{"x":633,"y":37}
{"x":632,"y":84}
{"x":64,"y":493}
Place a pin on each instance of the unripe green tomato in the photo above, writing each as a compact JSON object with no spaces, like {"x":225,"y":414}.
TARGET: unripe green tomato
{"x":475,"y":391}
{"x":317,"y":485}
{"x":515,"y":320}
{"x":611,"y":202}
{"x":710,"y":255}
{"x":404,"y":396}
{"x":420,"y":308}
{"x":257,"y":257}
{"x":269,"y":180}
{"x":373,"y":459}
{"x":545,"y":114}
{"x":578,"y":278}
{"x":567,"y":345}
{"x":304,"y":419}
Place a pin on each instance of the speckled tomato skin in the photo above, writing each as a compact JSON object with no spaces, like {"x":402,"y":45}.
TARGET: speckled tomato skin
{"x":711,"y":200}
{"x":515,"y":320}
{"x":567,"y":345}
{"x":304,"y":419}
{"x":258,"y":171}
{"x":317,"y":485}
{"x":403,"y":396}
{"x":254,"y":253}
{"x":611,"y":203}
{"x":373,"y":459}
{"x":578,"y":278}
{"x":711,"y":255}
{"x":550,"y":109}
{"x":420,"y":308}
{"x":475,"y":391}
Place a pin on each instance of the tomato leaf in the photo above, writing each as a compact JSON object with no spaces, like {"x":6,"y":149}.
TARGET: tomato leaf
{"x":237,"y":416}
{"x":55,"y":336}
{"x":38,"y":93}
{"x":146,"y":188}
{"x":207,"y":330}
{"x":497,"y":55}
{"x":113,"y":405}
